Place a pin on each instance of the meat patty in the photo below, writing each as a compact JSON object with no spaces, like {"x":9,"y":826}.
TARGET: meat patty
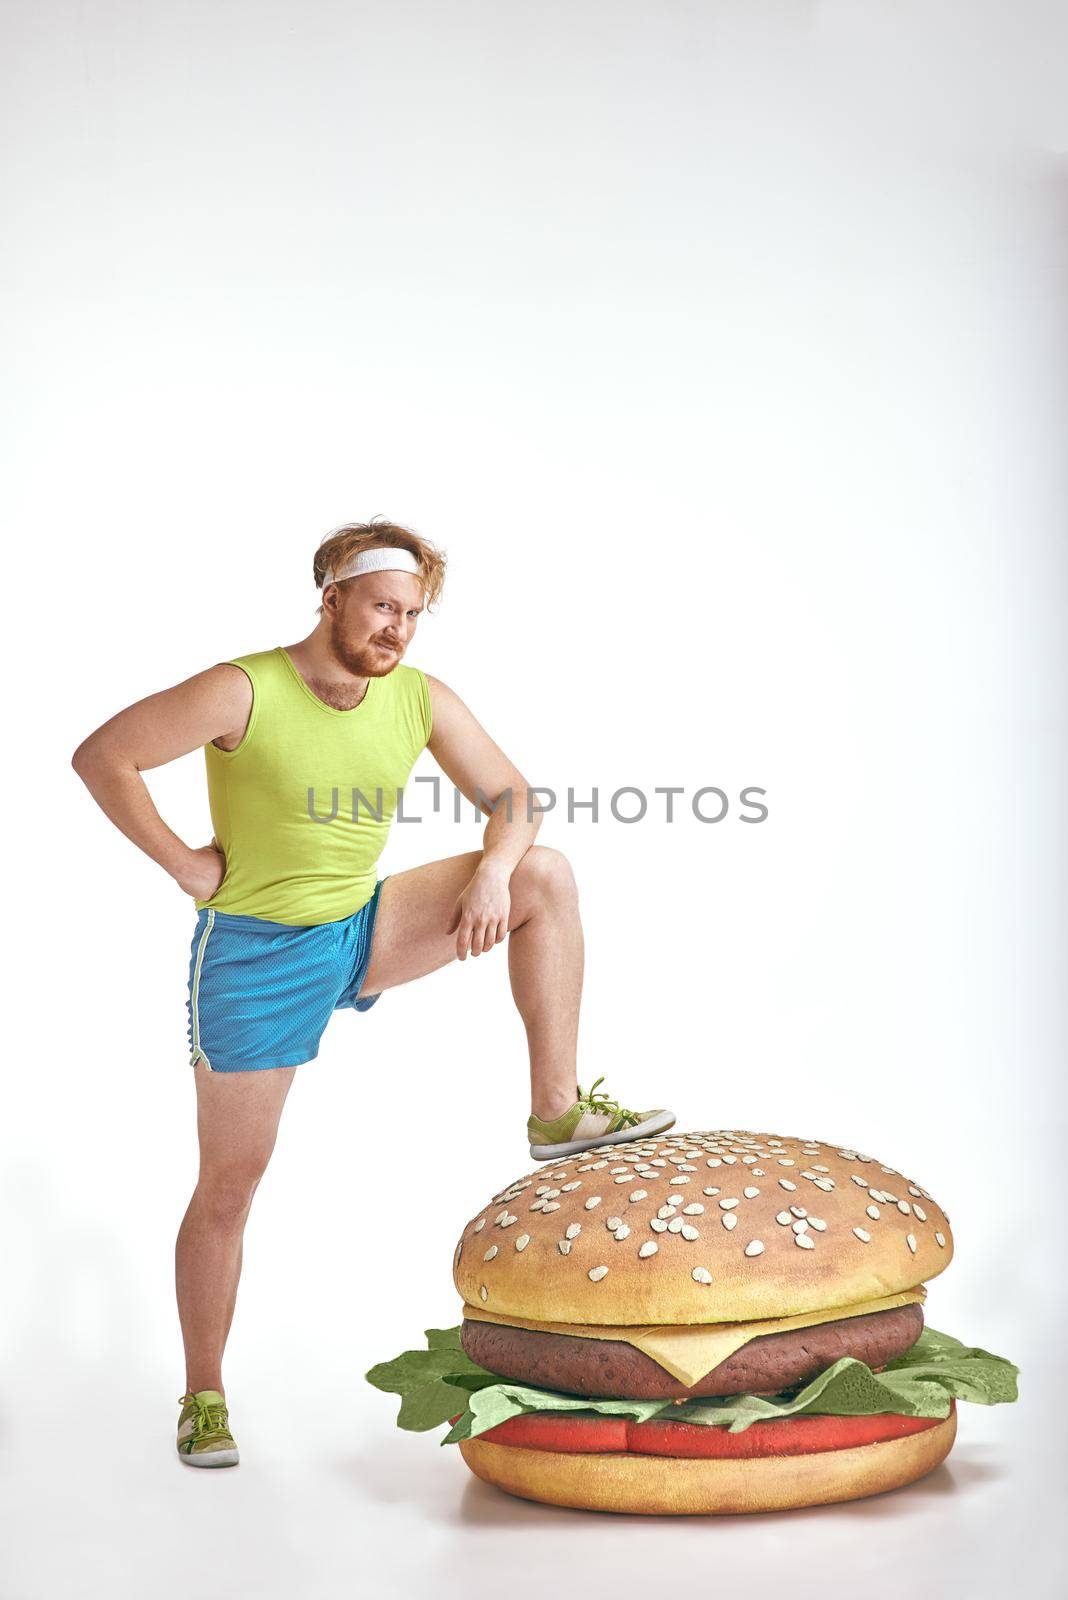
{"x":611,"y":1369}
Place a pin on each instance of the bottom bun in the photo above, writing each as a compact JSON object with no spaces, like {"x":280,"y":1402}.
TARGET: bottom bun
{"x":668,"y":1486}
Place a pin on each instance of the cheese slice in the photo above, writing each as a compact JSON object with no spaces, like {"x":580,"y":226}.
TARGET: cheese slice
{"x":691,"y":1353}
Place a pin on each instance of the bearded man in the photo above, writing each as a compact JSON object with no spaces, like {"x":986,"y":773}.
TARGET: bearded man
{"x":308,"y":747}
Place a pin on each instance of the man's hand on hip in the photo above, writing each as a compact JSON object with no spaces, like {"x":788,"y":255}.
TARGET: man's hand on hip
{"x":202,"y":872}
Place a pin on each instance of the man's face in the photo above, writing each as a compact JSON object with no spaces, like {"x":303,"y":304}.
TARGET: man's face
{"x":374,"y":619}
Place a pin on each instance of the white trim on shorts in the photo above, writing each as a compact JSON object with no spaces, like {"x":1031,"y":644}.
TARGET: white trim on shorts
{"x":198,"y":1053}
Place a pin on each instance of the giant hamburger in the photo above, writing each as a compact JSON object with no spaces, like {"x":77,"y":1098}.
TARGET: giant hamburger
{"x":695,"y":1323}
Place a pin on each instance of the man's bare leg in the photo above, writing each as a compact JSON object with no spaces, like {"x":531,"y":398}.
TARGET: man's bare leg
{"x":545,"y":954}
{"x":237,"y":1123}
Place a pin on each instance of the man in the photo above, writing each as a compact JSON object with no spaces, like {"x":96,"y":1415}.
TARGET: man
{"x":292,"y":921}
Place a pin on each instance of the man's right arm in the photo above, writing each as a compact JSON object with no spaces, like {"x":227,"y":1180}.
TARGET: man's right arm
{"x":213,"y":705}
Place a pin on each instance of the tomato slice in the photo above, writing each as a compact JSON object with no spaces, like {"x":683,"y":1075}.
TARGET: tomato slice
{"x":597,"y":1435}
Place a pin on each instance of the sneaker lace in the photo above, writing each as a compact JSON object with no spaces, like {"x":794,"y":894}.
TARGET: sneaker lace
{"x":600,"y":1104}
{"x":210,"y":1416}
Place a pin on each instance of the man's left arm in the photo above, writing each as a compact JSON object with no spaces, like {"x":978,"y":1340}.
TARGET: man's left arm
{"x":484,"y":775}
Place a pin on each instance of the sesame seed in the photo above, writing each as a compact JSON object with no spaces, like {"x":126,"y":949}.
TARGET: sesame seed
{"x":522,"y":1242}
{"x":649,"y":1248}
{"x":701,"y":1275}
{"x":564,"y":1246}
{"x":755,"y":1247}
{"x":658,"y":1226}
{"x":690,"y":1233}
{"x":729,"y":1220}
{"x":784,"y":1183}
{"x":750,"y":1193}
{"x":484,"y":1292}
{"x":873,"y":1211}
{"x":479,"y":1225}
{"x":694,"y":1209}
{"x":595,"y":1274}
{"x":639,"y":1194}
{"x":805,"y":1240}
{"x":940,"y":1240}
{"x":728,"y":1204}
{"x":783,"y":1217}
{"x":490,"y":1253}
{"x":594,"y":1200}
{"x":910,"y":1240}
{"x":572,"y":1230}
{"x":863,"y":1235}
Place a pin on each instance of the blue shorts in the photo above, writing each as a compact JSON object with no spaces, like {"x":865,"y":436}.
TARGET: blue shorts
{"x":261,"y":993}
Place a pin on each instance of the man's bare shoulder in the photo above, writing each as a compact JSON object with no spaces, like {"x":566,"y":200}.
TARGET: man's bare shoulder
{"x":440,"y":689}
{"x":225,"y":691}
{"x":445,"y":704}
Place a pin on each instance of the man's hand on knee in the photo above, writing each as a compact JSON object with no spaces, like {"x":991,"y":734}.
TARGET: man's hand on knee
{"x":480,"y":916}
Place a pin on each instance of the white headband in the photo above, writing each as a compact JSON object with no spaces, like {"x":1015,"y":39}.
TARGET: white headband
{"x":381,"y":560}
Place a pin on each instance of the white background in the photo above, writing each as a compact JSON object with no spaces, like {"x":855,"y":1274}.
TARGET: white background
{"x":722,"y":346}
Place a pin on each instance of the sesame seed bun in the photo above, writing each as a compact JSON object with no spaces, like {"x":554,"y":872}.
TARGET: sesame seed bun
{"x":641,"y":1233}
{"x":662,"y":1485}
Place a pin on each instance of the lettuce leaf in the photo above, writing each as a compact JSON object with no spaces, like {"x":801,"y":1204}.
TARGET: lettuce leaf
{"x":441,"y":1382}
{"x":435,"y":1383}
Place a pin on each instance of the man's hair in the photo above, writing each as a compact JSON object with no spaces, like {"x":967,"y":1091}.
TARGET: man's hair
{"x":339,"y":547}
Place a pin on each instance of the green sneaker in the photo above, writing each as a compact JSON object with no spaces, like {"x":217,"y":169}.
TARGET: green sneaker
{"x":592,"y":1120}
{"x":204,"y":1437}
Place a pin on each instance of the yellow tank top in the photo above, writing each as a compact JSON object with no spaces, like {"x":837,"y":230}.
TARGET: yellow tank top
{"x":302,"y":807}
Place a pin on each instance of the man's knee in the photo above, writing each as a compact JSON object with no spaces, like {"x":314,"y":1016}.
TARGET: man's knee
{"x":548,"y":871}
{"x":227,"y":1195}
